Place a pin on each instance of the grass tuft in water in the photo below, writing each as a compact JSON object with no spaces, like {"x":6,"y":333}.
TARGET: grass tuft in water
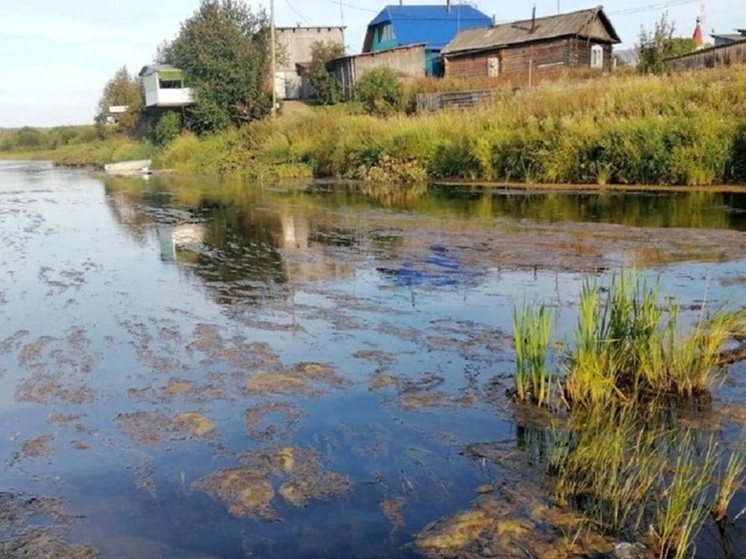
{"x":533,"y":381}
{"x":620,"y":456}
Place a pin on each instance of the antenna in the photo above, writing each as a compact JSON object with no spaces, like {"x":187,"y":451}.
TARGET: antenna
{"x":341,"y":14}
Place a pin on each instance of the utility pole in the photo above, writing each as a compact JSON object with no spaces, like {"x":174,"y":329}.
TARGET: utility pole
{"x":273,"y":62}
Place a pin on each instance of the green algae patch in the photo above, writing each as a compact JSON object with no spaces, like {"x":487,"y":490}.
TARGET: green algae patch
{"x":448,"y":536}
{"x":38,"y":447}
{"x":271,"y":420}
{"x":393,"y":511}
{"x":242,"y":490}
{"x":304,"y":379}
{"x":154,"y":429}
{"x":194,"y":423}
{"x":21,"y":536}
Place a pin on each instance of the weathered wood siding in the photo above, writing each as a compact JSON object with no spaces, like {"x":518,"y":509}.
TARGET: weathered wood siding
{"x":709,"y":58}
{"x":526,"y":63}
{"x":408,"y":62}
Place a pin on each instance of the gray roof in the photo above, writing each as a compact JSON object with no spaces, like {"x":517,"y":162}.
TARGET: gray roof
{"x":734,"y":37}
{"x":153,"y":68}
{"x":590,"y":24}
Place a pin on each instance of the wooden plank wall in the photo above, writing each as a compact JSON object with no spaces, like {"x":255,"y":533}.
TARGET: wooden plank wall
{"x":540,"y":61}
{"x":709,"y":58}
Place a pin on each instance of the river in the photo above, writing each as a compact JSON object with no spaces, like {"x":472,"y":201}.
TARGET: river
{"x":194,"y":369}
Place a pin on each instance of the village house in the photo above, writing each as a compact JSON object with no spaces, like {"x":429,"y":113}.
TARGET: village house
{"x":294,"y":45}
{"x":409,"y":40}
{"x":526,"y":52}
{"x":431,"y":26}
{"x":164,"y":87}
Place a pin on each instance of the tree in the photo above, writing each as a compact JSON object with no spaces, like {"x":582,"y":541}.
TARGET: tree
{"x":122,"y":90}
{"x":325,"y":84}
{"x":660,"y":44}
{"x":224,"y":51}
{"x":379,"y":90}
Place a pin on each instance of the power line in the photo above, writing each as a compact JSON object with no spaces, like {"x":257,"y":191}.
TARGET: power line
{"x":298,"y":12}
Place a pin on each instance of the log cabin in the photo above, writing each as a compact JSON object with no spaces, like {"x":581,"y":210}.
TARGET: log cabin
{"x":526,"y":52}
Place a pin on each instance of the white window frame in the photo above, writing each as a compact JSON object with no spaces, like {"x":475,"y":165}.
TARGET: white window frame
{"x":597,"y":57}
{"x":493,"y":66}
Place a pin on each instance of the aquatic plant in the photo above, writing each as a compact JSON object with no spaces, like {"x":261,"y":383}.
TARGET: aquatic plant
{"x":619,"y":457}
{"x":533,"y":381}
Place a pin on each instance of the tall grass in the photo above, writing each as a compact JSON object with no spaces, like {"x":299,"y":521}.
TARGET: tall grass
{"x":619,"y":456}
{"x":533,"y":380}
{"x":684,"y":129}
{"x":630,"y":343}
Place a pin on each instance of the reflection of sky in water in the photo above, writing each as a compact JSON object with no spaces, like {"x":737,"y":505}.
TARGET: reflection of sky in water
{"x":139,"y":273}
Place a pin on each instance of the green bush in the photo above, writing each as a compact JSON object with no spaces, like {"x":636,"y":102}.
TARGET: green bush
{"x":167,"y":128}
{"x":379,"y":90}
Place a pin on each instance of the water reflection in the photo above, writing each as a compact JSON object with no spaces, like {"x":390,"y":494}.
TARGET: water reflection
{"x":240,"y":240}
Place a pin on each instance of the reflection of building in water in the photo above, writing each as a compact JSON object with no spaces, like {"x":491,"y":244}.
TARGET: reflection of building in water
{"x":174,"y":240}
{"x":303,"y":258}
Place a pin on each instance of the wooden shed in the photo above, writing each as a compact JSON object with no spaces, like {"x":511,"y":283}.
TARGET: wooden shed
{"x":525,"y":52}
{"x":406,"y":61}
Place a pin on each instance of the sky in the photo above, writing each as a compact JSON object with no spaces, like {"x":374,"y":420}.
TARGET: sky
{"x":57,"y":55}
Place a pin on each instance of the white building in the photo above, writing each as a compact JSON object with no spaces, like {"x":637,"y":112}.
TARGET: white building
{"x":164,"y":86}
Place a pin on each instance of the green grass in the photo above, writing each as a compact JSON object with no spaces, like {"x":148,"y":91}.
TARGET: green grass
{"x":533,"y":381}
{"x":684,"y":129}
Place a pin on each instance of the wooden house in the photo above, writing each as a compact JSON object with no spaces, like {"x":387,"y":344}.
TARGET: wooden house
{"x":525,"y":52}
{"x":164,"y":86}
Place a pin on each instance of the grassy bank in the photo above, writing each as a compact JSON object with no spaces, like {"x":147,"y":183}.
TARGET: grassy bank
{"x":685,"y":129}
{"x":92,"y":152}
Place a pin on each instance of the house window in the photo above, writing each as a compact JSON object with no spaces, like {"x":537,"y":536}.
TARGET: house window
{"x":493,"y":66}
{"x":597,"y":57}
{"x":386,"y":33}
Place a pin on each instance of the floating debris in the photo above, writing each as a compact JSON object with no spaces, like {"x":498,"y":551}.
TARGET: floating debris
{"x":244,"y":491}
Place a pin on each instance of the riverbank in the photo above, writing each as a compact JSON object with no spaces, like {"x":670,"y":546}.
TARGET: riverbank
{"x":686,"y":129}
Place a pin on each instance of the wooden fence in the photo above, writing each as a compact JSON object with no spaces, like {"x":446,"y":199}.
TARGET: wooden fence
{"x":710,"y":57}
{"x":438,"y":101}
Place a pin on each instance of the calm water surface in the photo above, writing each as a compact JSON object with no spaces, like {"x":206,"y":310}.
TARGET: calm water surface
{"x":165,"y":344}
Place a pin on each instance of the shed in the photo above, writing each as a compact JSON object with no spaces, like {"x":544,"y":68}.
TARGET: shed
{"x":406,"y":61}
{"x":432,"y":26}
{"x":523,"y":52}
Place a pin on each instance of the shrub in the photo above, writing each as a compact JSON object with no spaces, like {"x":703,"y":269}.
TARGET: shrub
{"x":379,"y":90}
{"x":167,"y":128}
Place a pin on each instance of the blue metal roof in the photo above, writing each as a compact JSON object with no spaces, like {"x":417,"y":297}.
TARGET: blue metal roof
{"x":435,"y":26}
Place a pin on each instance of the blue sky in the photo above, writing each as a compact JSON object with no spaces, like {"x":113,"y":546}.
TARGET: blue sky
{"x":56,"y":56}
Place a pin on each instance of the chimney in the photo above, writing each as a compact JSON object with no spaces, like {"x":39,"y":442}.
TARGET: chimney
{"x":448,"y":5}
{"x":533,"y":20}
{"x":494,"y":20}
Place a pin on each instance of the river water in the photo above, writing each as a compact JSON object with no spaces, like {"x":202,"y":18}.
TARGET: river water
{"x":203,"y":369}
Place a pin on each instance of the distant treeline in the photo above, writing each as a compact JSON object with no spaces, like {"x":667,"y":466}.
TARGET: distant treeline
{"x":33,"y":139}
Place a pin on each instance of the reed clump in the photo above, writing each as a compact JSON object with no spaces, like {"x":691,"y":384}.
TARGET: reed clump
{"x":620,"y":456}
